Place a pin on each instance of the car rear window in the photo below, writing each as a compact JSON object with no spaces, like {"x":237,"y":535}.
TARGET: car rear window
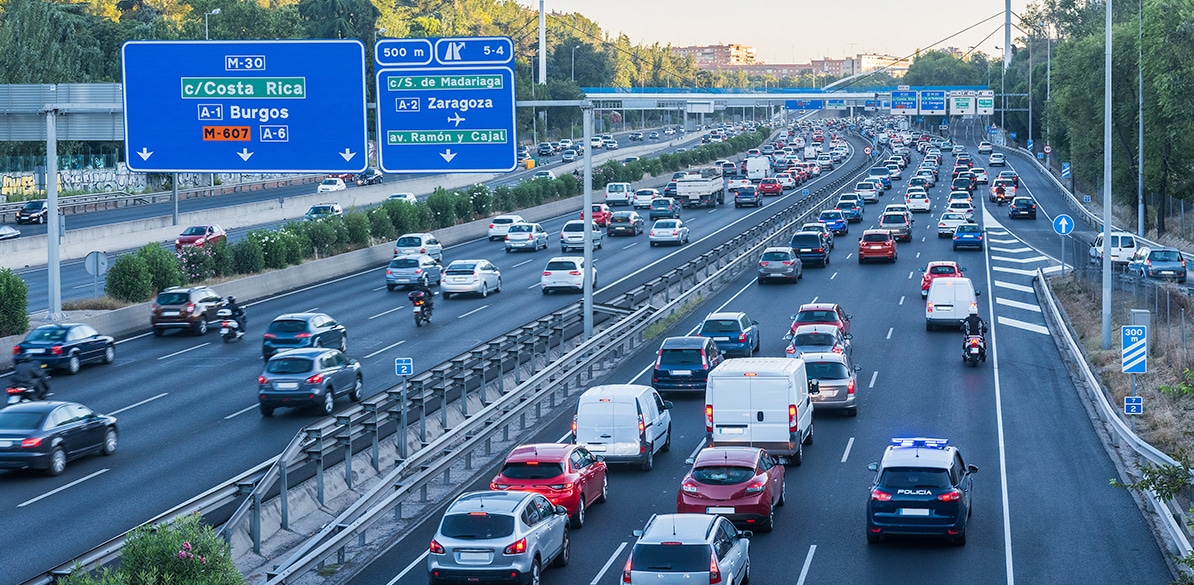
{"x":806,"y":339}
{"x":288,"y":365}
{"x":827,"y":370}
{"x":660,"y":204}
{"x":462,"y":267}
{"x":620,"y":217}
{"x":680,"y":357}
{"x":518,"y":229}
{"x":670,"y":558}
{"x":776,"y":257}
{"x":816,"y":317}
{"x":561,"y":265}
{"x":1165,"y":256}
{"x":968,"y":228}
{"x":893,"y":218}
{"x":723,"y":475}
{"x":666,"y":225}
{"x":805,"y":241}
{"x":498,"y":220}
{"x":941,"y":270}
{"x":409,"y":241}
{"x":914,"y":477}
{"x":21,"y":420}
{"x":173,"y":298}
{"x":404,"y":263}
{"x":721,"y":326}
{"x":532,"y":470}
{"x":477,"y":526}
{"x":46,"y":334}
{"x":287,"y":326}
{"x":875,"y":237}
{"x":574,"y":227}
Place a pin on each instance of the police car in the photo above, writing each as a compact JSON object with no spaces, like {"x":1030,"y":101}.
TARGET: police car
{"x":922,"y":487}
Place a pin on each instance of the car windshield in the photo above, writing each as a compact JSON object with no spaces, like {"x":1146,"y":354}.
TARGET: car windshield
{"x":288,"y":365}
{"x":660,"y":204}
{"x":875,"y":237}
{"x":46,"y":334}
{"x":680,"y":357}
{"x":670,"y":558}
{"x":810,"y":339}
{"x":404,"y":263}
{"x":532,"y":470}
{"x":195,"y":230}
{"x":776,"y":257}
{"x":328,"y":182}
{"x":828,"y":370}
{"x":516,"y":229}
{"x":287,"y":326}
{"x":893,"y":218}
{"x":816,"y":317}
{"x":722,"y":474}
{"x":34,"y":205}
{"x":942,"y":270}
{"x":173,"y":298}
{"x":1165,"y":256}
{"x":721,"y":326}
{"x":913,"y":478}
{"x":561,"y":265}
{"x":320,"y":210}
{"x":968,"y":228}
{"x":477,"y":526}
{"x":408,"y":241}
{"x":462,"y":267}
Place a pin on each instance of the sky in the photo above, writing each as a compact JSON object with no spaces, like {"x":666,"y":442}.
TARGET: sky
{"x":796,"y":31}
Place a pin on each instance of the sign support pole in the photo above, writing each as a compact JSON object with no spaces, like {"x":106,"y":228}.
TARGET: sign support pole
{"x":402,"y":424}
{"x":53,"y":237}
{"x":174,"y":195}
{"x":587,"y":110}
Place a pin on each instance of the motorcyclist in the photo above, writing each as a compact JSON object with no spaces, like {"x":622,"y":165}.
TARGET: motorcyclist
{"x":999,"y":193}
{"x":238,"y":313}
{"x":428,"y":296}
{"x":974,"y":325}
{"x":28,"y":374}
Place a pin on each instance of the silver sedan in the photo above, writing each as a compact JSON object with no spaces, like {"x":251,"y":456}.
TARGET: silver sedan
{"x":471,"y":276}
{"x":668,"y":231}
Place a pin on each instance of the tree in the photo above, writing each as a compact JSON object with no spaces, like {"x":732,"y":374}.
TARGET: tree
{"x":339,"y":19}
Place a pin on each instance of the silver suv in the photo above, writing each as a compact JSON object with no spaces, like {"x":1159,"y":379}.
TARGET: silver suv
{"x":682,"y":549}
{"x":504,"y":536}
{"x":572,"y":236}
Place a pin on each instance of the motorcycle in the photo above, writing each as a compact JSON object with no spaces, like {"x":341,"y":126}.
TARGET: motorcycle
{"x":422,"y":307}
{"x":230,"y":328}
{"x":18,"y":394}
{"x":973,"y":350}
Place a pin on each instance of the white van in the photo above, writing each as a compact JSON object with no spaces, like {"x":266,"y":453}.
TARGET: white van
{"x":757,"y":168}
{"x":1123,"y":246}
{"x":949,"y":301}
{"x":761,"y":402}
{"x":811,"y":152}
{"x":618,"y":194}
{"x":624,"y":423}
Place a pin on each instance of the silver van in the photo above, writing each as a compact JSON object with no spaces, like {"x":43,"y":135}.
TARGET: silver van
{"x":761,"y":402}
{"x":624,"y":423}
{"x":949,"y":302}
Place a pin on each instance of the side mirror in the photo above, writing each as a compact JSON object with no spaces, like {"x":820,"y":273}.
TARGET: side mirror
{"x":746,"y":534}
{"x":920,"y":269}
{"x":792,"y":317}
{"x":788,"y":337}
{"x":849,"y":336}
{"x":599,"y":458}
{"x":814,"y":387}
{"x":963,"y":270}
{"x":667,"y":405}
{"x":873,"y":467}
{"x":978,"y":293}
{"x":561,"y":510}
{"x":849,"y":316}
{"x":636,"y":533}
{"x":971,"y":468}
{"x":857,"y":368}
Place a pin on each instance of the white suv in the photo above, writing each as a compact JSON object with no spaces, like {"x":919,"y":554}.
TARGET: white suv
{"x":564,"y":272}
{"x":499,"y":225}
{"x":572,"y":236}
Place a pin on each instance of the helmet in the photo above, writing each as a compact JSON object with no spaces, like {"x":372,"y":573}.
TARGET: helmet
{"x":231,"y":299}
{"x":974,"y":311}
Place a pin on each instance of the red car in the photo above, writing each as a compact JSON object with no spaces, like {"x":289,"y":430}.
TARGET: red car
{"x":877,"y":244}
{"x":199,"y":236}
{"x":567,"y":475}
{"x":601,"y":214}
{"x":821,"y":314}
{"x":744,"y":484}
{"x":938,"y":269}
{"x":771,"y":186}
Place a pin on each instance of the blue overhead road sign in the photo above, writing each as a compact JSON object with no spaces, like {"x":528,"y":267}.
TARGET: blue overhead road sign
{"x":1063,"y":224}
{"x":804,"y":104}
{"x":244,"y":106}
{"x":1134,"y":352}
{"x":446,"y":105}
{"x":903,"y":102}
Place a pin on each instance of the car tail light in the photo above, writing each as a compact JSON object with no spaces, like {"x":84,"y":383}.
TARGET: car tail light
{"x":792,"y":416}
{"x":491,"y":226}
{"x":950,"y":496}
{"x":714,"y":570}
{"x":519,"y":547}
{"x":787,"y":262}
{"x":741,"y":338}
{"x":642,"y":426}
{"x":626,"y":571}
{"x":929,"y":308}
{"x":837,"y":349}
{"x":755,"y":487}
{"x":546,"y":273}
{"x":652,"y":234}
{"x":688,"y":487}
{"x":155,"y":307}
{"x":16,"y":350}
{"x":389,"y":272}
{"x":13,"y":391}
{"x":574,"y":428}
{"x":818,"y":250}
{"x":189,"y":308}
{"x":262,"y":380}
{"x":879,"y":495}
{"x":708,"y":418}
{"x":56,"y":350}
{"x":302,"y":335}
{"x":574,"y":273}
{"x":31,"y":442}
{"x":270,"y":336}
{"x":435,"y":548}
{"x":850,"y":386}
{"x":418,"y":271}
{"x":316,"y":379}
{"x":422,"y":250}
{"x":704,"y":359}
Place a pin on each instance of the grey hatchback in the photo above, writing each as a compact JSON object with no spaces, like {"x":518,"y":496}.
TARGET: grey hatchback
{"x":780,"y":263}
{"x":413,"y":269}
{"x":498,"y":537}
{"x":295,"y":330}
{"x":308,"y":377}
{"x":838,"y":382}
{"x":681,"y":549}
{"x":1162,"y":263}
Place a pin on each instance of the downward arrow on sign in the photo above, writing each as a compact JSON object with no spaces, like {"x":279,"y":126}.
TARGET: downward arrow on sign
{"x":244,"y":154}
{"x":448,"y":155}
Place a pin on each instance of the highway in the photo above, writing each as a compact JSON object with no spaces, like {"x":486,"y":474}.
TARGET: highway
{"x":1043,"y":509}
{"x":187,"y":405}
{"x":78,"y":284}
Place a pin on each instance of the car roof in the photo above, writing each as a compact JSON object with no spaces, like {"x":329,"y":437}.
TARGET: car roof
{"x":823,"y":356}
{"x":784,"y":249}
{"x":309,"y":352}
{"x":555,"y":452}
{"x":725,"y":315}
{"x":684,"y":342}
{"x":872,"y":232}
{"x":678,"y":527}
{"x":896,"y":456}
{"x":42,"y":406}
{"x":498,"y":501}
{"x":818,"y":307}
{"x":943,"y":263}
{"x":817,"y":328}
{"x":296,"y":316}
{"x":729,"y":455}
{"x":57,"y":326}
{"x":415,"y":234}
{"x":616,"y":390}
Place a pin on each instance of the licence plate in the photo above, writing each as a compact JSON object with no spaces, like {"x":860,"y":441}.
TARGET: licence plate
{"x":35,"y":350}
{"x":974,"y":350}
{"x":5,"y":443}
{"x":876,"y":247}
{"x":473,"y":556}
{"x":1166,"y":272}
{"x":169,"y":313}
{"x":286,"y":385}
{"x":721,"y":338}
{"x":681,"y":372}
{"x":719,"y":510}
{"x":731,"y":430}
{"x":914,"y":511}
{"x":595,"y":447}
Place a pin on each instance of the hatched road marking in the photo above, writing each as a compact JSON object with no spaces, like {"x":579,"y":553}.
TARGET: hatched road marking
{"x":1017,"y":304}
{"x":1010,"y":286}
{"x":1022,"y":325}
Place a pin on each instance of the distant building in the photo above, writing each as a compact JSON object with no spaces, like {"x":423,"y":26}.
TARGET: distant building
{"x":714,"y":56}
{"x":834,"y":67}
{"x":865,"y":62}
{"x":779,"y":70}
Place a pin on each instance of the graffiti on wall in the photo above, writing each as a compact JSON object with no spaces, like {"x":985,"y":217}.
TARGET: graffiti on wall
{"x":117,"y":179}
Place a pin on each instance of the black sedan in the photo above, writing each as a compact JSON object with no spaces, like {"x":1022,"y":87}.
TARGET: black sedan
{"x":46,"y":435}
{"x":1022,"y":207}
{"x":370,"y":177}
{"x":67,"y":346}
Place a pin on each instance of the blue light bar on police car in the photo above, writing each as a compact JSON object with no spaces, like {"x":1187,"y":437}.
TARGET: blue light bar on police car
{"x":924,"y":442}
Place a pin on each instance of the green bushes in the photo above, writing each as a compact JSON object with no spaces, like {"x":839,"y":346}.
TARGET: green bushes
{"x":248,"y":257}
{"x":164,"y":270}
{"x":358,"y":228}
{"x":183,"y":553}
{"x":14,"y":302}
{"x":129,"y":279}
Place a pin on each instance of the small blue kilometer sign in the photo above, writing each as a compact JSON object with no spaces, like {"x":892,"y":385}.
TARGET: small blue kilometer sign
{"x":1134,"y":352}
{"x":1133,"y":405}
{"x":404,"y":366}
{"x":804,"y":192}
{"x":446,"y":105}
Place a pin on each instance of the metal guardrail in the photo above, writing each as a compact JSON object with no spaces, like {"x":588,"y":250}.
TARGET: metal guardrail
{"x":1179,"y":542}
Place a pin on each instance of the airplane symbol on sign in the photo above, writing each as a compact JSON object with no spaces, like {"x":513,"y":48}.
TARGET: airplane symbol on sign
{"x":453,"y":53}
{"x":456,"y":119}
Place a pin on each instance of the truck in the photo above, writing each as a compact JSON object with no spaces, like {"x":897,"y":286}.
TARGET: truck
{"x":757,"y":168}
{"x":697,"y":191}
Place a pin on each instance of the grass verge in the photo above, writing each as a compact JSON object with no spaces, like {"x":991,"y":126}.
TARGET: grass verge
{"x":659,"y":327}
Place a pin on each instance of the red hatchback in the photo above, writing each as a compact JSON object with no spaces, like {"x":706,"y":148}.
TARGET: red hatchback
{"x":938,"y":269}
{"x":601,"y":214}
{"x":771,"y":186}
{"x":821,"y":314}
{"x":199,"y":236}
{"x":744,"y":484}
{"x":568,"y":475}
{"x":876,"y":244}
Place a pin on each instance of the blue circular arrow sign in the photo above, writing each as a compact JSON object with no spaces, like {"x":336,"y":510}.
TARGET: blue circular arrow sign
{"x":1063,"y":224}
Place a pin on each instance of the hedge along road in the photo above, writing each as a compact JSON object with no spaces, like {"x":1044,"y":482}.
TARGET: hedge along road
{"x":77,"y":284}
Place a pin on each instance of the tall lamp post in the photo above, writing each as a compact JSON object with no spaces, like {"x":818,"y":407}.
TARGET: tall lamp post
{"x":574,"y":63}
{"x":214,"y":11}
{"x":1002,"y":92}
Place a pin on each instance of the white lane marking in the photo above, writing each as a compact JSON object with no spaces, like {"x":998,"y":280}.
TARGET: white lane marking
{"x":918,"y":254}
{"x":889,"y":330}
{"x":1020,"y":260}
{"x":383,"y":313}
{"x":630,"y":245}
{"x":1007,"y":521}
{"x":1019,"y":271}
{"x":418,"y":560}
{"x":567,"y":435}
{"x":1011,"y":250}
{"x":386,"y":348}
{"x":874,"y":376}
{"x":848,"y":256}
{"x":1022,"y":325}
{"x":901,"y":299}
{"x":536,"y":285}
{"x":311,"y":310}
{"x":910,"y":275}
{"x":711,"y":211}
{"x":999,"y":232}
{"x":128,"y":339}
{"x":922,"y":239}
{"x":807,"y":561}
{"x":478,"y":309}
{"x":692,"y":456}
{"x":378,"y":288}
{"x":605,"y":567}
{"x":1052,"y":269}
{"x":240,"y":412}
{"x":814,"y":299}
{"x":1011,"y":286}
{"x":170,"y":355}
{"x":56,"y":490}
{"x":849,"y":445}
{"x":834,"y":275}
{"x":522,"y":263}
{"x":136,"y":404}
{"x":1017,"y":304}
{"x":995,"y":241}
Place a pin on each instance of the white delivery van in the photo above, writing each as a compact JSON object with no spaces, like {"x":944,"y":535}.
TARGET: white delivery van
{"x":761,"y":402}
{"x":624,"y":423}
{"x":758,"y":168}
{"x":618,"y":194}
{"x":810,"y":153}
{"x":1123,"y":246}
{"x":948,"y":302}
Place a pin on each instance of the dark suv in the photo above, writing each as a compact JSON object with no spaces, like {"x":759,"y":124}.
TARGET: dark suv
{"x":811,"y":248}
{"x":308,"y":377}
{"x":295,"y":330}
{"x":32,"y":212}
{"x":184,"y":308}
{"x":683,"y":363}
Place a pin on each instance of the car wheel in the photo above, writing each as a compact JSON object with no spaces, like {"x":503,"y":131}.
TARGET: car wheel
{"x":797,"y":458}
{"x":604,"y":489}
{"x":447,"y":295}
{"x":157,"y":331}
{"x":649,"y":462}
{"x":329,"y":401}
{"x":317,"y":343}
{"x":667,"y":445}
{"x":578,"y":519}
{"x":499,"y":286}
{"x":201,"y":327}
{"x":769,"y":524}
{"x":266,"y":410}
{"x":358,"y":387}
{"x":484,"y":291}
{"x":109,"y":354}
{"x":852,"y":412}
{"x":561,"y":559}
{"x":57,"y":462}
{"x":783,"y":494}
{"x":745,"y":573}
{"x":652,"y":244}
{"x":871,"y":537}
{"x":72,"y":366}
{"x":960,"y":540}
{"x":808,"y":439}
{"x":343,"y":343}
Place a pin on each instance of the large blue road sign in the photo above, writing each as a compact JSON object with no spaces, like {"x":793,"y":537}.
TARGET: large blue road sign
{"x":446,"y":105}
{"x":1134,"y":349}
{"x":244,"y":106}
{"x":932,"y":103}
{"x":804,"y":104}
{"x":903,"y":102}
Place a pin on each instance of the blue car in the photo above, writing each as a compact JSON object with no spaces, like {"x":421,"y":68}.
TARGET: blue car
{"x":734,"y":333}
{"x":851,"y":210}
{"x":968,"y":235}
{"x":836,"y":220}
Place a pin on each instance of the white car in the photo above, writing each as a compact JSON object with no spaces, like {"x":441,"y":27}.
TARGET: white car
{"x":403,"y":197}
{"x":471,"y":276}
{"x":928,"y":177}
{"x":893,"y":171}
{"x":996,"y":160}
{"x":960,"y":196}
{"x":565,"y":143}
{"x":544,"y":174}
{"x":867,"y":191}
{"x":949,"y":220}
{"x":498,"y":226}
{"x":963,"y":207}
{"x":596,"y":142}
{"x":980,"y":175}
{"x":786,"y":180}
{"x":610,"y":144}
{"x":331,"y":184}
{"x":918,"y":201}
{"x":565,"y":273}
{"x":668,"y":231}
{"x":644,"y":197}
{"x":419,"y":243}
{"x":525,"y":236}
{"x":572,"y":236}
{"x":898,"y":208}
{"x":984,"y":147}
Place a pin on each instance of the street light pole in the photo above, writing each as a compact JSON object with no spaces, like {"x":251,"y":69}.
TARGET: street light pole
{"x":574,"y":63}
{"x":1140,"y":122}
{"x":1048,"y":88}
{"x":1107,"y":181}
{"x":213,"y":12}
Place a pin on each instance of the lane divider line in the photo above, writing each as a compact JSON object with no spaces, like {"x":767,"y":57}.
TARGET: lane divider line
{"x":388,"y":347}
{"x":807,"y":561}
{"x":477,"y":310}
{"x":170,"y":355}
{"x":849,"y":445}
{"x":136,"y":404}
{"x":889,"y":330}
{"x":874,"y":375}
{"x":418,"y":560}
{"x":240,"y":412}
{"x":56,"y":490}
{"x":605,"y":567}
{"x":383,"y":313}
